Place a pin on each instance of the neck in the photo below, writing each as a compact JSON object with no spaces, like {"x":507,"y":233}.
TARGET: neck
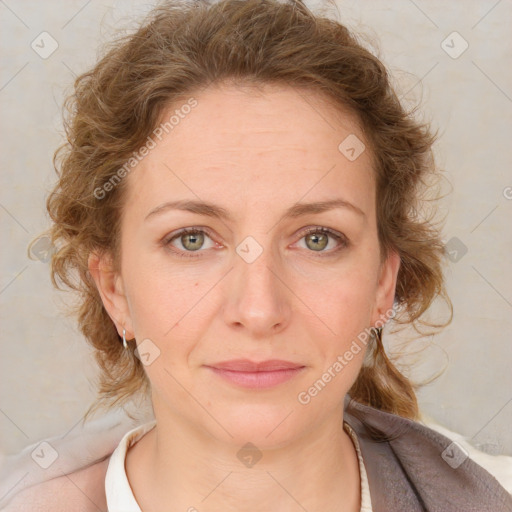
{"x":189,"y":470}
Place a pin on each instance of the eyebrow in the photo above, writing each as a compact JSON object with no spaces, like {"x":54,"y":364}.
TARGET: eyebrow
{"x":215,"y":211}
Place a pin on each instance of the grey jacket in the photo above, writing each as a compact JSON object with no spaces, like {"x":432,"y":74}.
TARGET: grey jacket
{"x":410,"y":468}
{"x":413,"y":468}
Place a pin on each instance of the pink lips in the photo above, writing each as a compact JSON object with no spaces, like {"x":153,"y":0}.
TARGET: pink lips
{"x":250,"y":374}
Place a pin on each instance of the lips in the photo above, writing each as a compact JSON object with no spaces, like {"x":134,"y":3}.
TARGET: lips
{"x":246,"y":365}
{"x":244,"y":373}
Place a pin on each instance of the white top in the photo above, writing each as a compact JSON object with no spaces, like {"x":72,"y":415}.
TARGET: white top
{"x":119,"y":494}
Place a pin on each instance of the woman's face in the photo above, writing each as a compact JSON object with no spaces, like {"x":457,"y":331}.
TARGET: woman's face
{"x":254,"y":284}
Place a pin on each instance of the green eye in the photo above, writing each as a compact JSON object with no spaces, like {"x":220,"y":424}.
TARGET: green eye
{"x":317,"y":239}
{"x":192,"y":240}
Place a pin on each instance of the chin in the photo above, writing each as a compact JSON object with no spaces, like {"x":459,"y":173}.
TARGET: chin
{"x":265,"y":426}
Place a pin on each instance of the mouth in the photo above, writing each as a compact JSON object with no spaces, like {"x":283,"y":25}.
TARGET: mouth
{"x":249,"y":374}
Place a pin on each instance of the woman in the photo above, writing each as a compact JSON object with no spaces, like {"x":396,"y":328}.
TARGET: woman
{"x":237,"y":208}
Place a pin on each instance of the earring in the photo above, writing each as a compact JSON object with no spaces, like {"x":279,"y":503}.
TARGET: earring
{"x":379,"y":347}
{"x":125,"y":344}
{"x":377,"y":333}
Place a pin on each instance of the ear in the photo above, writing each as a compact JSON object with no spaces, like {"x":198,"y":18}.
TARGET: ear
{"x":385,"y":295}
{"x":111,"y":289}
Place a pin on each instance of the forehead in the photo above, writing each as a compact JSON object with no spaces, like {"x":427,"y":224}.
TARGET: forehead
{"x":244,"y":145}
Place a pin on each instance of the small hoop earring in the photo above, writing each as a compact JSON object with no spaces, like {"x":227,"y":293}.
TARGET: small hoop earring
{"x":125,"y":344}
{"x":377,"y":333}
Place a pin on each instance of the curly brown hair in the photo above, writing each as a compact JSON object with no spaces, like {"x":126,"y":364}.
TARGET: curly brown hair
{"x":185,"y":46}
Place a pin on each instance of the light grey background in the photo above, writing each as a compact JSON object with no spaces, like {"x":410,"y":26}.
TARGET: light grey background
{"x":46,"y":366}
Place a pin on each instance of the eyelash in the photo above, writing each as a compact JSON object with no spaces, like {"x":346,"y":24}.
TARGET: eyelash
{"x":166,"y":242}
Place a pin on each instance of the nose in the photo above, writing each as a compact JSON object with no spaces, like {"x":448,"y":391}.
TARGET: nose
{"x":257,"y":297}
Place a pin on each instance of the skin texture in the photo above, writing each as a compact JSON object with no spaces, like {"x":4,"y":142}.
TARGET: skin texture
{"x":255,"y":154}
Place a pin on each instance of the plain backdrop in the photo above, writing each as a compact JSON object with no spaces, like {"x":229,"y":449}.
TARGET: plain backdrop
{"x":455,"y":56}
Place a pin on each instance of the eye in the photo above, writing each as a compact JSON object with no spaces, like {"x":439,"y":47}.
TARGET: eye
{"x":193,"y":239}
{"x":190,"y":239}
{"x":317,"y":239}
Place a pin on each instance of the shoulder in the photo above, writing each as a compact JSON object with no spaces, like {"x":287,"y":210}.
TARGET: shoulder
{"x":77,"y":474}
{"x":500,"y":466}
{"x":82,"y":490}
{"x":412,"y":465}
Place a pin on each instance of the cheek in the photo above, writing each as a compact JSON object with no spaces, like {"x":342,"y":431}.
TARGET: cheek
{"x":344,"y":306}
{"x":156,"y":296}
{"x":344,"y":300}
{"x":168,"y":308}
